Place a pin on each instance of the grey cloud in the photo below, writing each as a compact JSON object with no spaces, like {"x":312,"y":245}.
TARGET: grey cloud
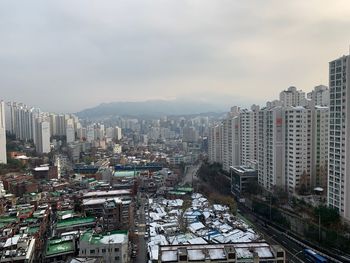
{"x":82,"y":53}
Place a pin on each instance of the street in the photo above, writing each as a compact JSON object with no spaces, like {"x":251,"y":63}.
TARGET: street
{"x":141,"y":228}
{"x":190,"y":174}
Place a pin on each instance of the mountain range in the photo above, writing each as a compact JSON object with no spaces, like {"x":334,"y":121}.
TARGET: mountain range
{"x":151,"y":108}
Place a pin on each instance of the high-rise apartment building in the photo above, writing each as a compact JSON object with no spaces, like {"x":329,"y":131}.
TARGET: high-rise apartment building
{"x":3,"y":157}
{"x":214,"y":144}
{"x":297,"y":134}
{"x":230,"y":145}
{"x":70,"y":131}
{"x":339,"y":132}
{"x":292,"y":97}
{"x":271,"y":148}
{"x":42,"y":134}
{"x":319,"y":96}
{"x":249,"y":127}
{"x":19,"y":119}
{"x":319,"y":152}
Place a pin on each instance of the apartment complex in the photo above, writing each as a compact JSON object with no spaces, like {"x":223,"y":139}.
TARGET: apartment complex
{"x":111,"y":246}
{"x":286,"y":141}
{"x":339,"y":132}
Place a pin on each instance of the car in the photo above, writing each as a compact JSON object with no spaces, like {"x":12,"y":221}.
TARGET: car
{"x":146,"y":235}
{"x":133,"y":254}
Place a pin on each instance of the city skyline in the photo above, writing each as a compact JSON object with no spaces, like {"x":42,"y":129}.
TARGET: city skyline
{"x":67,"y":56}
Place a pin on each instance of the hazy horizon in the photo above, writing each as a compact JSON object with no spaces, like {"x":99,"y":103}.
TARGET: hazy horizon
{"x":67,"y":56}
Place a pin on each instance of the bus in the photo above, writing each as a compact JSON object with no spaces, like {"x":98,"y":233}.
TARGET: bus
{"x":314,"y":257}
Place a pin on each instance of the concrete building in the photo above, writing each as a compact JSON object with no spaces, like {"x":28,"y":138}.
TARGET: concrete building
{"x":339,"y":133}
{"x":271,"y":148}
{"x":109,"y":211}
{"x":241,"y":178}
{"x":297,"y":168}
{"x":70,"y":131}
{"x":230,"y":144}
{"x":319,"y":155}
{"x":20,"y":120}
{"x":249,"y":133}
{"x":3,"y":156}
{"x":320,"y":95}
{"x":19,"y":248}
{"x":111,"y":246}
{"x":250,"y":252}
{"x":214,"y":144}
{"x":42,"y":136}
{"x":292,"y":97}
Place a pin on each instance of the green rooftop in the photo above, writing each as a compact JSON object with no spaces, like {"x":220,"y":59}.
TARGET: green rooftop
{"x":75,"y":221}
{"x":33,"y":230}
{"x":185,"y":189}
{"x":176,"y":193}
{"x":94,"y":238}
{"x":65,"y":212}
{"x":126,"y":173}
{"x":57,"y":246}
{"x":8,"y":219}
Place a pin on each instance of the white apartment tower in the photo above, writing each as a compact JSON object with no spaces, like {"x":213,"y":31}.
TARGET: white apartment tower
{"x":319,"y":158}
{"x":271,"y":148}
{"x":292,"y":97}
{"x":214,"y":144}
{"x":70,"y":131}
{"x":42,"y":134}
{"x":297,"y":164}
{"x":249,"y":120}
{"x":19,"y":120}
{"x":230,"y":145}
{"x":339,"y":133}
{"x":319,"y":96}
{"x":3,"y":157}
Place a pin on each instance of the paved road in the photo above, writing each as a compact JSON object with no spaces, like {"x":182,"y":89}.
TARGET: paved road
{"x":141,"y":246}
{"x":191,"y":172}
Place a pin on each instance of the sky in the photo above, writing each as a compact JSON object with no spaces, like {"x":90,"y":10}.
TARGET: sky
{"x":67,"y":55}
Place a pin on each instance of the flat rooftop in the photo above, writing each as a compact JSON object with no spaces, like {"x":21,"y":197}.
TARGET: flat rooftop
{"x":243,"y":169}
{"x":112,"y":237}
{"x":107,"y":193}
{"x":75,"y":222}
{"x":59,"y":246}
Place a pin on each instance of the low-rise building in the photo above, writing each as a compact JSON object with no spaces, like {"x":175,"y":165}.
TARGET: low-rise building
{"x":19,"y":248}
{"x":76,"y":223}
{"x":59,"y":249}
{"x":241,"y":178}
{"x":111,"y":246}
{"x":253,"y":252}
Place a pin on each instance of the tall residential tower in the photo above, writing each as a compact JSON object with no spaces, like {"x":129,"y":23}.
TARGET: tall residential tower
{"x":339,"y":133}
{"x":3,"y":158}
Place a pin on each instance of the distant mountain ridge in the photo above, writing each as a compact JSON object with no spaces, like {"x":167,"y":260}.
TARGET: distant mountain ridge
{"x":151,"y":107}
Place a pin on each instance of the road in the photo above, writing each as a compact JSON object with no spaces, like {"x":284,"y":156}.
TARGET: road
{"x":142,"y":245}
{"x":191,"y":173}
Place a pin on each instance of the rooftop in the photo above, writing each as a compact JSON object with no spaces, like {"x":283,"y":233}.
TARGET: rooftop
{"x":75,"y":221}
{"x":112,"y":237}
{"x":107,"y":193}
{"x":59,"y":246}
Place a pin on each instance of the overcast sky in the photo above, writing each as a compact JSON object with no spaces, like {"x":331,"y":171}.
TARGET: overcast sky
{"x":68,"y":55}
